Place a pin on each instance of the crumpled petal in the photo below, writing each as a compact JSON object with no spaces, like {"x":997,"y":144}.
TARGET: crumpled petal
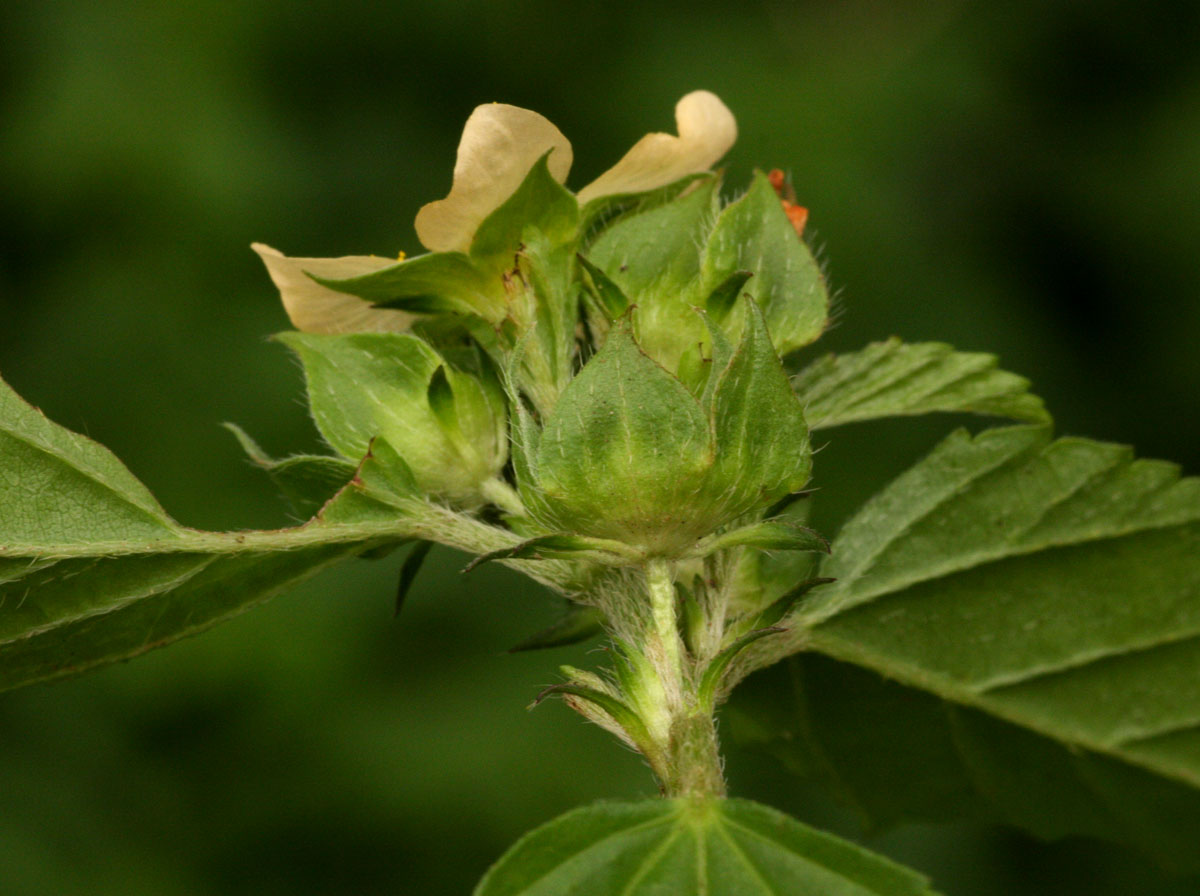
{"x":314,"y":308}
{"x":707,"y":129}
{"x":499,"y":145}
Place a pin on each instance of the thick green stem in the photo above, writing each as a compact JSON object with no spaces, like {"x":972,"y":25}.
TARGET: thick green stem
{"x":662,"y":604}
{"x":694,"y":758}
{"x":691,"y":762}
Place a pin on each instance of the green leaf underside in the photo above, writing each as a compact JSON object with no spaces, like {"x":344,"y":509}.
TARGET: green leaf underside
{"x":889,"y":379}
{"x":1053,"y":585}
{"x":93,"y":570}
{"x":719,"y":848}
{"x":895,"y":753}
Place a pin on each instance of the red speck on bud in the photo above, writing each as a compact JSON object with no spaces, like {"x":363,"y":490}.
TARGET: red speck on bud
{"x":797,"y":214}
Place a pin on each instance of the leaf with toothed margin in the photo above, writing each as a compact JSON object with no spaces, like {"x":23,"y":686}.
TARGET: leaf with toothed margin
{"x":711,"y":847}
{"x":93,"y":570}
{"x":890,"y":379}
{"x":1045,"y":596}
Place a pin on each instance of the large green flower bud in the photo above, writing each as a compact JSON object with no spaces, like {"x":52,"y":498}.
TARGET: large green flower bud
{"x":448,"y":425}
{"x":632,"y":454}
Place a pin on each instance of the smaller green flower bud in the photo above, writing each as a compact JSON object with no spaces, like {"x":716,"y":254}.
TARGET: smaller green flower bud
{"x":632,"y":455}
{"x":447,"y":425}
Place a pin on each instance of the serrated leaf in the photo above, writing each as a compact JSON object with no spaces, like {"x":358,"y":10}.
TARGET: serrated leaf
{"x":1052,"y":585}
{"x":889,"y":379}
{"x":712,"y":848}
{"x":754,"y":235}
{"x":894,"y":753}
{"x":93,"y":570}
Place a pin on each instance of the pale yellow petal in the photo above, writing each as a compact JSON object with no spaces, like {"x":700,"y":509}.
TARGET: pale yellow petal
{"x":706,"y":131}
{"x":499,"y":145}
{"x":314,"y":308}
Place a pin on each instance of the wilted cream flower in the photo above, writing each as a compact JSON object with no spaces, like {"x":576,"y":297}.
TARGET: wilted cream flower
{"x":499,"y":146}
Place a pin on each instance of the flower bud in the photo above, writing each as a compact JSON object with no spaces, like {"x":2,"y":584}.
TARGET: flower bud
{"x":447,"y":425}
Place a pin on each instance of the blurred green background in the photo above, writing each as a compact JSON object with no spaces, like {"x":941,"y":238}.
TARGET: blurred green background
{"x":1020,"y":177}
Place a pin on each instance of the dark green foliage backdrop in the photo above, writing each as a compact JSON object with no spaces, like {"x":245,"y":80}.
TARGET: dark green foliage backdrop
{"x":1022,"y":178}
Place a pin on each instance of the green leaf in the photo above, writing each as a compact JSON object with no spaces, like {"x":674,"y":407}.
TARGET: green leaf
{"x":754,"y":235}
{"x":93,"y":570}
{"x":1054,"y":586}
{"x":540,"y":203}
{"x":889,"y":379}
{"x":894,"y":753}
{"x":308,"y":481}
{"x":433,"y":283}
{"x":714,"y":848}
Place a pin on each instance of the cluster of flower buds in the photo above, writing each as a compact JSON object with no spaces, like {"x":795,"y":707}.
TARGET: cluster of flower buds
{"x":625,"y":338}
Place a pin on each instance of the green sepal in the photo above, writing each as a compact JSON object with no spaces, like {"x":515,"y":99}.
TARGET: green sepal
{"x":780,"y":607}
{"x":629,"y":720}
{"x":762,"y":440}
{"x":604,"y":212}
{"x":365,"y":385}
{"x":754,"y":234}
{"x":769,"y":535}
{"x":578,"y":623}
{"x":706,"y":693}
{"x":724,"y":296}
{"x":307,"y":481}
{"x":541,"y":203}
{"x":408,"y":572}
{"x":608,"y":297}
{"x":625,"y":452}
{"x":436,"y":282}
{"x":557,"y":545}
{"x":653,"y":257}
